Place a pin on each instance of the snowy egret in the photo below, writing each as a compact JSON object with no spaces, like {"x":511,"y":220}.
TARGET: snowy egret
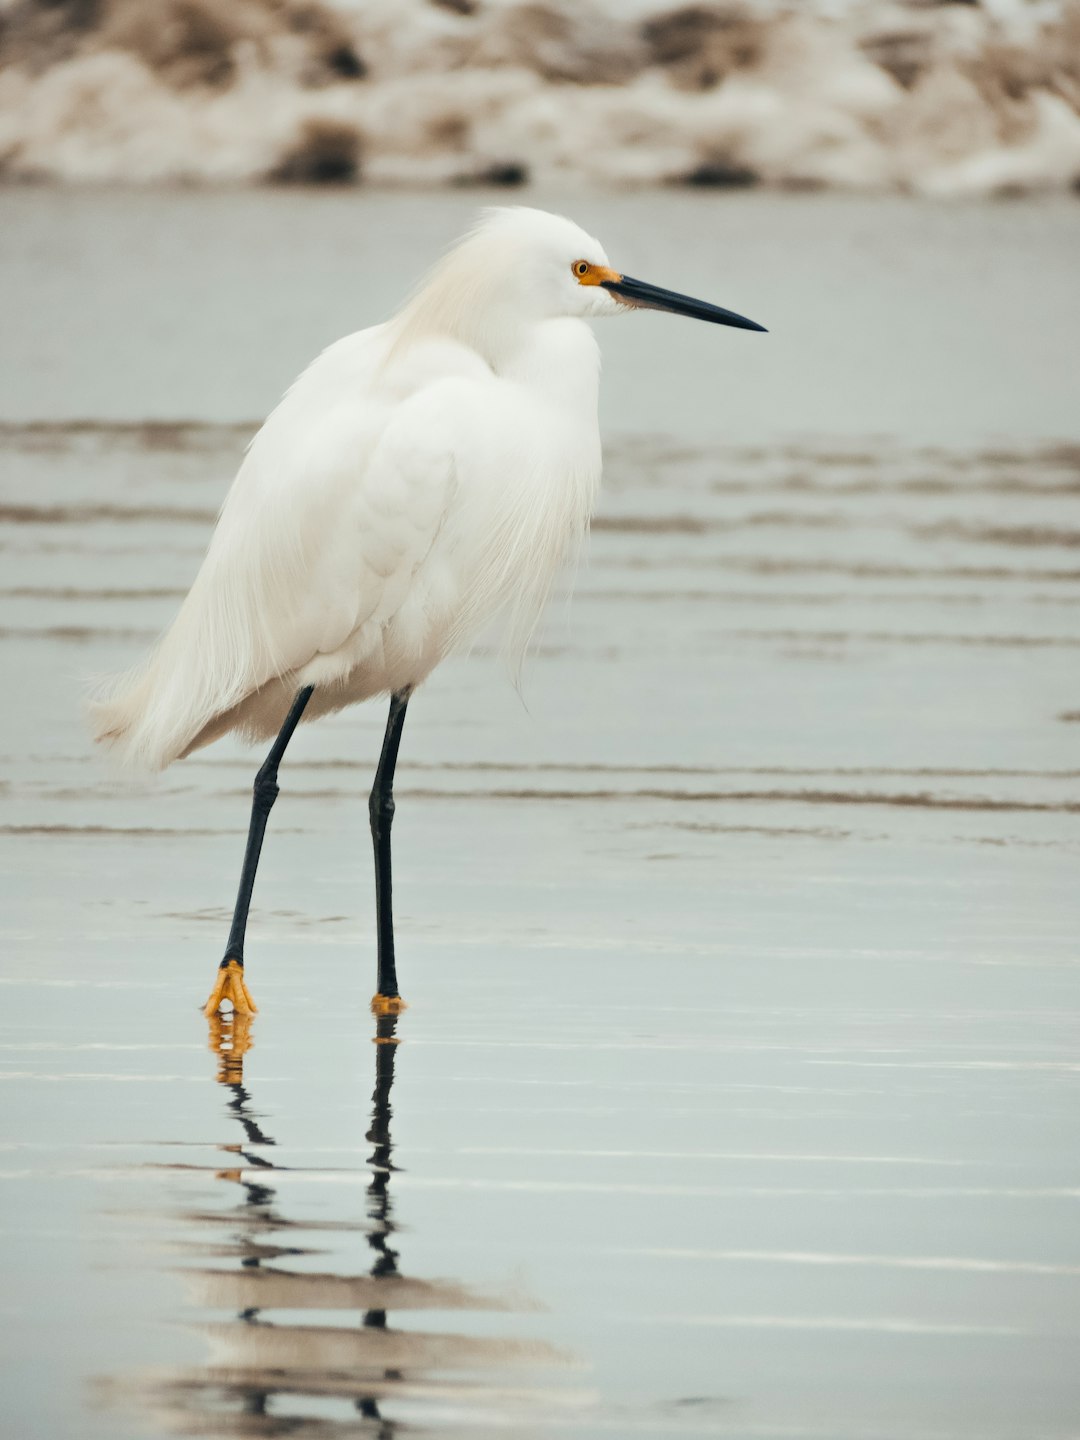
{"x":418,"y":479}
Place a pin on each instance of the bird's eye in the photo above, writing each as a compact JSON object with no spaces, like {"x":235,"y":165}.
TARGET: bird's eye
{"x":581,"y":267}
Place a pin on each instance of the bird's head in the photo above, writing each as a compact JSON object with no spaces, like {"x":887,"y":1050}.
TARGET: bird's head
{"x":566,"y":271}
{"x":519,"y":266}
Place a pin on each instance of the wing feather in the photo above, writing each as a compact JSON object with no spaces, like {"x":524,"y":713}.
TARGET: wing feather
{"x":334,"y":507}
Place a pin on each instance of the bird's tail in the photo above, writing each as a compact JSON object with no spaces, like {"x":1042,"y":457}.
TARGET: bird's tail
{"x":113,"y":714}
{"x":186,"y":692}
{"x":129,"y":716}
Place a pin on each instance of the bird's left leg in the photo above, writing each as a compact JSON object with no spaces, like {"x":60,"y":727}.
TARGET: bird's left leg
{"x":387,"y":999}
{"x":230,"y":980}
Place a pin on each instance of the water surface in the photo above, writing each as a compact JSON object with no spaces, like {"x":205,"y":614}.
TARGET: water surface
{"x":737,"y":1095}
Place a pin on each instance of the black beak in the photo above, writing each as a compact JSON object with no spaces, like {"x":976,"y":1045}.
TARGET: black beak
{"x":651,"y":297}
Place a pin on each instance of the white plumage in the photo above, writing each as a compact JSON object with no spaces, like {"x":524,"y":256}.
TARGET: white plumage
{"x":419,"y":478}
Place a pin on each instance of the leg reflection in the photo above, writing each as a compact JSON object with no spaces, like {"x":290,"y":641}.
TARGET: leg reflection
{"x":379,"y":1201}
{"x":298,"y":1323}
{"x":230,"y":1038}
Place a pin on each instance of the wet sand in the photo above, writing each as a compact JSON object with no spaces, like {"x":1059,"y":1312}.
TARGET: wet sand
{"x":737,"y":1094}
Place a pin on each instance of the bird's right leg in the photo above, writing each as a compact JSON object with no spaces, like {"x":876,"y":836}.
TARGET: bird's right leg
{"x":230,"y":980}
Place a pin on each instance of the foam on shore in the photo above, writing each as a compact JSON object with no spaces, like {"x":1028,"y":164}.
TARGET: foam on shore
{"x":941,"y":100}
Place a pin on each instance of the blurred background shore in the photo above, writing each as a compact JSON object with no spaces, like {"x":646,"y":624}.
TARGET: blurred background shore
{"x":870,"y":95}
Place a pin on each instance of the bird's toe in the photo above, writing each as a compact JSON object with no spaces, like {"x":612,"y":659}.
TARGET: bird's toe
{"x":231,"y":986}
{"x":387,"y":1005}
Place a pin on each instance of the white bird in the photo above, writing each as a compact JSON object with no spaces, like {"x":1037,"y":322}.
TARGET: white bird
{"x":419,"y":478}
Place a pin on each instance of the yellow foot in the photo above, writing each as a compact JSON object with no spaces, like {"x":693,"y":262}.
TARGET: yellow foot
{"x":387,"y":1005}
{"x":230,"y":986}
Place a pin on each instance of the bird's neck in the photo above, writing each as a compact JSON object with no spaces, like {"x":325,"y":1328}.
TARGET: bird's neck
{"x":555,"y":355}
{"x":558,"y":359}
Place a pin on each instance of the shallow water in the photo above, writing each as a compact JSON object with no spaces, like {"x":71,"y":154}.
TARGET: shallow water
{"x":951,"y":324}
{"x":737,"y":1094}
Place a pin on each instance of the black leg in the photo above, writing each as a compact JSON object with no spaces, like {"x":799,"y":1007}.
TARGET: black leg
{"x":381,"y":810}
{"x":265,"y":793}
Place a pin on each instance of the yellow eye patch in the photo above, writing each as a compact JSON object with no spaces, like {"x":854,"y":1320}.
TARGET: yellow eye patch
{"x":586,"y":274}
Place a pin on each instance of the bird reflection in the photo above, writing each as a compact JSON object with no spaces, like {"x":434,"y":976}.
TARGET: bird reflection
{"x":273,"y":1374}
{"x":379,"y":1203}
{"x":230,"y":1039}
